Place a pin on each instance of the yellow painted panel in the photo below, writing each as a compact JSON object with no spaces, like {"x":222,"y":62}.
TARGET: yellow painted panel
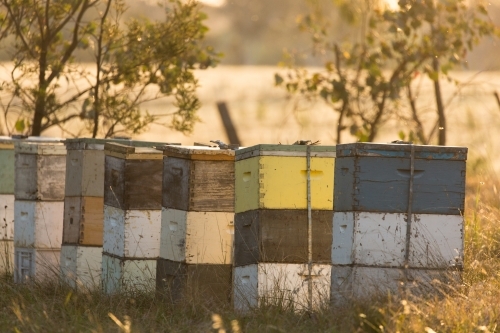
{"x":246,"y":173}
{"x":283,"y":183}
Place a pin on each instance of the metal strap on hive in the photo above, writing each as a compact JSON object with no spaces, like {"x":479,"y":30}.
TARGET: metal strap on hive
{"x":409,"y":212}
{"x":309,"y":230}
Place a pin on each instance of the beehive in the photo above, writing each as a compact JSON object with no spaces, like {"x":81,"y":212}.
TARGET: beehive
{"x":81,"y":266}
{"x":283,"y":284}
{"x":398,"y":220}
{"x":275,"y":177}
{"x":197,"y":231}
{"x":132,"y":215}
{"x":40,"y":167}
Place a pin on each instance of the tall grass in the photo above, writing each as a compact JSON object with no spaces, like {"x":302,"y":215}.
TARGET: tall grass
{"x":473,"y":306}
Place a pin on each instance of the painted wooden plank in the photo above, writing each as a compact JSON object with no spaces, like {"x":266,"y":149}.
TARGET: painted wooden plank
{"x":38,"y":224}
{"x":98,"y":144}
{"x":7,"y":161}
{"x":133,"y":184}
{"x":198,"y":153}
{"x":272,"y":182}
{"x":284,"y":150}
{"x":122,"y":275}
{"x":181,"y":281}
{"x":197,"y":237}
{"x":132,"y":153}
{"x":26,"y":177}
{"x":81,"y":266}
{"x":381,"y":184}
{"x":6,"y":256}
{"x":280,"y":236}
{"x":41,"y":147}
{"x":7,"y":217}
{"x":83,"y":220}
{"x":280,"y":284}
{"x":36,"y":265}
{"x":379,"y":239}
{"x":132,"y":233}
{"x":176,"y":176}
{"x":85,"y":173}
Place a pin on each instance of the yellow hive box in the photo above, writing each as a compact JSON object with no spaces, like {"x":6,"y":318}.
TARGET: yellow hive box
{"x":275,"y":177}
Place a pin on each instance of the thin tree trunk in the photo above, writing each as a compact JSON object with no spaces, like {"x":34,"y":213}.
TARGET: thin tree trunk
{"x":40,"y":100}
{"x":439,"y":105}
{"x":340,"y":126}
{"x":413,"y":107}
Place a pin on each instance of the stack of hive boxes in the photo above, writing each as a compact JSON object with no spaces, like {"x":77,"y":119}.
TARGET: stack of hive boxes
{"x":7,"y":161}
{"x":81,"y":253}
{"x":38,"y":209}
{"x":197,"y":223}
{"x":271,"y":225}
{"x":377,"y":186}
{"x":132,"y":217}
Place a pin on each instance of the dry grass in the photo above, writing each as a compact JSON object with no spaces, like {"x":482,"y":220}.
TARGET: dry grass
{"x":472,"y":307}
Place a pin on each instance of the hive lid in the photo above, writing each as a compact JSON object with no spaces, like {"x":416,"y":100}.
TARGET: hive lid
{"x":198,"y":153}
{"x":7,"y":142}
{"x":284,"y":150}
{"x":98,"y":144}
{"x":39,"y":147}
{"x":402,"y":151}
{"x":131,"y":153}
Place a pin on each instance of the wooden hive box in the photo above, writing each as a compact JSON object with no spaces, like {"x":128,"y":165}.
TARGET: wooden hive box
{"x":194,"y":282}
{"x":379,"y":239}
{"x":122,"y":275}
{"x":373,"y":177}
{"x":40,"y":171}
{"x":84,"y":201}
{"x":81,"y":266}
{"x":197,"y":237}
{"x":284,"y":285}
{"x":280,"y":236}
{"x":275,"y":177}
{"x":198,"y":179}
{"x":132,"y":177}
{"x":36,"y":265}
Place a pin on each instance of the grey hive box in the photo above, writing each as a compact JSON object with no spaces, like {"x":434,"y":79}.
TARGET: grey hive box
{"x":374,"y":177}
{"x":276,"y":235}
{"x":198,"y":179}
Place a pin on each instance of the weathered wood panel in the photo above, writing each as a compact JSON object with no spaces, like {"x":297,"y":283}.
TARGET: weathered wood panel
{"x":6,"y":217}
{"x":121,"y":275}
{"x":379,"y":239}
{"x":208,"y":282}
{"x":281,"y":236}
{"x":74,"y":173}
{"x":381,"y":184}
{"x":83,"y":220}
{"x":197,"y":237}
{"x":26,"y":177}
{"x":6,"y":257}
{"x":132,"y":233}
{"x":7,"y":162}
{"x":114,"y":182}
{"x":282,"y":183}
{"x":85,"y":173}
{"x":175,"y":191}
{"x":36,"y":265}
{"x":268,"y":284}
{"x":143,"y":184}
{"x":38,"y":224}
{"x":81,"y":266}
{"x":212,"y":186}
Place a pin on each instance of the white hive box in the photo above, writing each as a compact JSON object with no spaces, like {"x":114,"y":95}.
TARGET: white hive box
{"x":197,"y":237}
{"x":7,"y":217}
{"x":6,"y":256}
{"x":81,"y":266}
{"x":36,"y":265}
{"x":119,"y":275}
{"x":379,"y":239}
{"x":285,"y":284}
{"x":366,"y":283}
{"x":132,"y":233}
{"x":38,"y":224}
{"x":40,"y":171}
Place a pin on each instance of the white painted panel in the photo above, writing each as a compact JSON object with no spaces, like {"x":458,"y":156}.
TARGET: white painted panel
{"x":36,"y":265}
{"x":343,"y":238}
{"x":24,"y":223}
{"x":7,"y":217}
{"x":81,"y":266}
{"x":197,"y":237}
{"x":114,"y":231}
{"x":379,"y":239}
{"x":6,"y":256}
{"x":285,"y":284}
{"x":132,"y":233}
{"x":173,"y":234}
{"x":437,"y":241}
{"x":120,"y":275}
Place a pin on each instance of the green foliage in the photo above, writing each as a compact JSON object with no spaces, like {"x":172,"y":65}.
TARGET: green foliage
{"x":136,"y":61}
